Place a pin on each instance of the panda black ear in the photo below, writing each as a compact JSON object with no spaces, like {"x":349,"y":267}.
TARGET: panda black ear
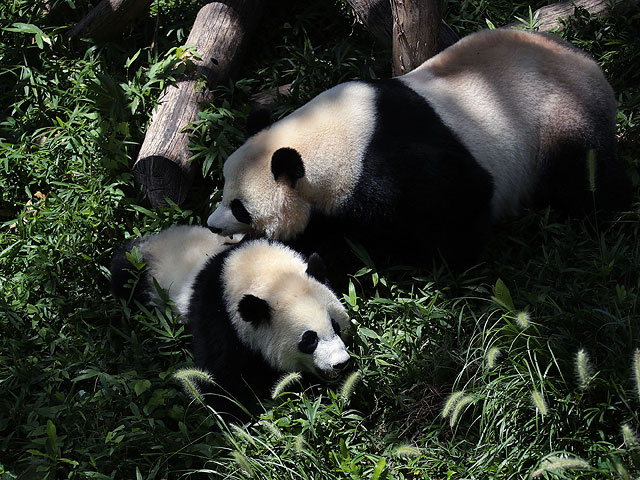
{"x":287,"y":162}
{"x":316,"y":268}
{"x":254,"y":310}
{"x":258,"y":119}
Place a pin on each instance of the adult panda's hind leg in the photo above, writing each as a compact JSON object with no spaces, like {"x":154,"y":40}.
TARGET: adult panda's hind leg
{"x":579,"y":178}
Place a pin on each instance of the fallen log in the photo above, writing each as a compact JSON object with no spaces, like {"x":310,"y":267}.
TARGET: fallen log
{"x":219,"y":33}
{"x":550,"y":17}
{"x":108,"y":19}
{"x":376,"y":17}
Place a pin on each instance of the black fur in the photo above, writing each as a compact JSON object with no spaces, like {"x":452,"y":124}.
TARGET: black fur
{"x":316,"y":268}
{"x":287,"y":163}
{"x":420,"y":194}
{"x":566,"y":180}
{"x":238,"y":211}
{"x":237,"y":370}
{"x":254,"y":310}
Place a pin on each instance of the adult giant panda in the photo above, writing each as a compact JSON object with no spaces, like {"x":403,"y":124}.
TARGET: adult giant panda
{"x":256,"y":309}
{"x":427,"y":161}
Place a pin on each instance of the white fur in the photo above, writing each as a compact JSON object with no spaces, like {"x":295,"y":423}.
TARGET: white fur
{"x":298,"y":303}
{"x":330,"y":133}
{"x":176,"y":255}
{"x":508,"y":94}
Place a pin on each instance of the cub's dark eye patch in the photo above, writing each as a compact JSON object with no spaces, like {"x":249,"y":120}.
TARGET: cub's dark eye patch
{"x":336,"y":327}
{"x":308,"y":342}
{"x":238,"y":210}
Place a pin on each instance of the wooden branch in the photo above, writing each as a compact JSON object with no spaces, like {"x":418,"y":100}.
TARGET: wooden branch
{"x":108,"y":19}
{"x":219,"y":33}
{"x":415,"y":33}
{"x":550,"y":17}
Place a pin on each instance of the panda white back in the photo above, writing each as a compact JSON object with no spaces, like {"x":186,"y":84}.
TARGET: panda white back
{"x":173,"y":258}
{"x":510,"y":97}
{"x":176,"y":255}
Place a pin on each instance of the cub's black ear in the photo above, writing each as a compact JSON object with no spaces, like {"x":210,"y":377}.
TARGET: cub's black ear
{"x":254,"y":310}
{"x":258,"y":119}
{"x":287,"y":162}
{"x":316,"y":268}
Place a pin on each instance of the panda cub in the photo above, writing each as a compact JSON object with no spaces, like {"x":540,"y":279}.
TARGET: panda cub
{"x":256,"y":309}
{"x":426,"y":162}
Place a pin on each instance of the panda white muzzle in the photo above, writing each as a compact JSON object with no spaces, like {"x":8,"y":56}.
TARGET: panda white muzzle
{"x":331,"y":359}
{"x":222,"y":222}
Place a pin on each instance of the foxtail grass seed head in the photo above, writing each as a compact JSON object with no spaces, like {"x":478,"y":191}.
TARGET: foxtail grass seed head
{"x":591,"y":166}
{"x":406,"y":451}
{"x":451,"y":402}
{"x":636,"y":370}
{"x":243,"y":462}
{"x":555,"y":464}
{"x":284,"y":382}
{"x":630,"y":439}
{"x":460,"y":406}
{"x":539,"y":402}
{"x":242,"y":433}
{"x":492,"y":357}
{"x":349,"y":385}
{"x":272,"y":428}
{"x":584,"y":371}
{"x":190,"y":377}
{"x":523,"y":319}
{"x":623,"y":473}
{"x":298,"y":443}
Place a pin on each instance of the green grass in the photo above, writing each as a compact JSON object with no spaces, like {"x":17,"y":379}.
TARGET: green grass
{"x":454,"y":380}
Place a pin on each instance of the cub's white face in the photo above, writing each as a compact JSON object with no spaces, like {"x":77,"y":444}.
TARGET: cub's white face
{"x":279,"y":310}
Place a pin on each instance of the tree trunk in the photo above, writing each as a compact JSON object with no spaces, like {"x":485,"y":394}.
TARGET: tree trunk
{"x":415,"y":33}
{"x":375,"y":15}
{"x":219,"y":33}
{"x":108,"y":18}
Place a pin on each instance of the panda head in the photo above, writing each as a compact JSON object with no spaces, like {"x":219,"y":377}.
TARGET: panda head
{"x":281,"y":309}
{"x":262,"y":191}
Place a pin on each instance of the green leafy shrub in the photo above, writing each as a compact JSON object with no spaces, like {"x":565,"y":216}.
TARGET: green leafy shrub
{"x":524,"y":366}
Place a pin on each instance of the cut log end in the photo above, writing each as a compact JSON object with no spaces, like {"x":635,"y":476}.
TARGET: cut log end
{"x":162,"y":178}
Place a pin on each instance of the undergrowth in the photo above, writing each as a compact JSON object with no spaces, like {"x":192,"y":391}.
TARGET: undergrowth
{"x":527,"y":365}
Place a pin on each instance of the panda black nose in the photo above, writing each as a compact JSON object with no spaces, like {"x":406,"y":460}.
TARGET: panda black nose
{"x":342,"y":365}
{"x":214,"y":229}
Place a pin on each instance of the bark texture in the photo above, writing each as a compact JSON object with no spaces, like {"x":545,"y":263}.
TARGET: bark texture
{"x":107,"y":19}
{"x":550,"y":17}
{"x":375,"y":15}
{"x":219,"y":33}
{"x":416,"y":28}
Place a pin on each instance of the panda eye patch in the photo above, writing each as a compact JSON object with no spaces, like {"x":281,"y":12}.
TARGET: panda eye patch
{"x":336,"y":327}
{"x":308,"y":342}
{"x":238,"y":210}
